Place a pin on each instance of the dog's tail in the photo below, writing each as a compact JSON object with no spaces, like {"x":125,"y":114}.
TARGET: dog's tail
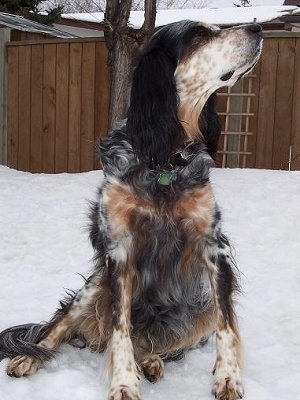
{"x":22,"y":340}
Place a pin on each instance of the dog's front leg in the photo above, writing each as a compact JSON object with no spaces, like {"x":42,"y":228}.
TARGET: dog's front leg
{"x":124,"y":383}
{"x":227,"y":379}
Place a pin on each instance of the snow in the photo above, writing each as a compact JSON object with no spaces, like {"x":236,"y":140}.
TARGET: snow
{"x":231,"y":3}
{"x":219,"y":16}
{"x":44,"y":245}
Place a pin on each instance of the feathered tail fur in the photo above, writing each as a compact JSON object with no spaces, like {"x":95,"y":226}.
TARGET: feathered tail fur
{"x":23,"y":339}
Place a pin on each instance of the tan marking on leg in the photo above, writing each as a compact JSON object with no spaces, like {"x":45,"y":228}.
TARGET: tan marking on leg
{"x":57,"y":334}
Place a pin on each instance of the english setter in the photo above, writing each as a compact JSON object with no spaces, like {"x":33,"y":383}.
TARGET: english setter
{"x":164,"y":275}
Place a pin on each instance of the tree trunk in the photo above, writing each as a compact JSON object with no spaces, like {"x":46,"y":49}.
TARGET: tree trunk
{"x":120,"y":74}
{"x":122,"y":43}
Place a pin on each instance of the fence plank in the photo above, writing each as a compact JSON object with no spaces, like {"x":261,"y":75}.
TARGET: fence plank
{"x":87,"y":107}
{"x":4,"y":38}
{"x":48,"y":141}
{"x":284,"y":104}
{"x":13,"y":107}
{"x":24,"y":107}
{"x":101,"y":95}
{"x":37,"y":60}
{"x":266,"y":104}
{"x":62,"y":107}
{"x":251,"y":159}
{"x":74,"y":107}
{"x":295,"y":142}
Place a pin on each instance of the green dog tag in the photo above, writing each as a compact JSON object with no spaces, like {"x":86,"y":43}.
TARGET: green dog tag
{"x":165,"y":178}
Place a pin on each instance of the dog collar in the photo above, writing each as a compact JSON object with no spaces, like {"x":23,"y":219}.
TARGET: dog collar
{"x":165,"y":178}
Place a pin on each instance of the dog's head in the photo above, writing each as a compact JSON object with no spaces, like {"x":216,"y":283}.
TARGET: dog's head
{"x":183,"y":64}
{"x":210,"y":58}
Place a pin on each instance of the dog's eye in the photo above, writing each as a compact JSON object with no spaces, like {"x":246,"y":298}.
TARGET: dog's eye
{"x":227,"y":76}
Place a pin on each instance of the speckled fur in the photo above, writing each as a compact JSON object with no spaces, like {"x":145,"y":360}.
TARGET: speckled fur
{"x":164,"y":276}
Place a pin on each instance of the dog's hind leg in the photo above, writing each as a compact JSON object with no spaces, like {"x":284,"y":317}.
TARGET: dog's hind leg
{"x":227,"y":379}
{"x":31,"y":344}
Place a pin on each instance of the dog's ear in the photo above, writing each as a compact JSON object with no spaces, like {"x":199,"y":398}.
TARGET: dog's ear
{"x":152,"y":123}
{"x":210,"y":126}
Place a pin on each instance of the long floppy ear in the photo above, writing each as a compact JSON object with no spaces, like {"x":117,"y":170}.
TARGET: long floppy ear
{"x":152,"y":123}
{"x":210,"y":126}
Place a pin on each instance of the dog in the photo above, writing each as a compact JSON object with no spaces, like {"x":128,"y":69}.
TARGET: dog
{"x":164,"y":277}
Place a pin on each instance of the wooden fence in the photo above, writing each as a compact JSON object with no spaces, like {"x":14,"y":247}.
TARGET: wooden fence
{"x":276,"y":143}
{"x":57,"y":104}
{"x":58,"y":101}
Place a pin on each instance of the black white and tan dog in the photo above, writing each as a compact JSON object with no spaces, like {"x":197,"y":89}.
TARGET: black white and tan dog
{"x":164,"y":275}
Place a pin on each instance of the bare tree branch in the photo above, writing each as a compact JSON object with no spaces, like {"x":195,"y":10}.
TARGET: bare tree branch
{"x":124,"y":12}
{"x":150,"y":15}
{"x":110,"y":10}
{"x":90,"y":6}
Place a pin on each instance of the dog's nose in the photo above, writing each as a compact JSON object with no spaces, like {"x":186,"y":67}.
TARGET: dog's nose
{"x":255,"y":28}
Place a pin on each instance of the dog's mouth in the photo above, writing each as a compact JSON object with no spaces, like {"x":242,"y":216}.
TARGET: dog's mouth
{"x":250,"y":61}
{"x":254,"y":59}
{"x":247,"y":70}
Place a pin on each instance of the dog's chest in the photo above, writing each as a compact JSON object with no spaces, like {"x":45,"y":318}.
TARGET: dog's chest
{"x":172,"y":287}
{"x":163,"y":244}
{"x":191,"y":211}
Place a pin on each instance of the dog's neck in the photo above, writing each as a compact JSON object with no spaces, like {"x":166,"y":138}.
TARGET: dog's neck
{"x":189,"y":111}
{"x":193,"y":93}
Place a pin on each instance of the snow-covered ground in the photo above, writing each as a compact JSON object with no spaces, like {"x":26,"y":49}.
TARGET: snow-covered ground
{"x":44,"y":244}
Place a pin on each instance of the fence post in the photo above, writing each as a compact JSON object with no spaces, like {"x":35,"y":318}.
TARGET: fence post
{"x":4,"y":38}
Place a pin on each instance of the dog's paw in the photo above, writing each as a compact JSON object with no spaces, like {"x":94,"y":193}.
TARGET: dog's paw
{"x":228,"y":389}
{"x":123,"y":392}
{"x":153,"y":368}
{"x":22,"y":366}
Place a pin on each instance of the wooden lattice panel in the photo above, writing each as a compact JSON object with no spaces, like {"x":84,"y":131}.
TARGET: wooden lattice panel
{"x":234,"y":108}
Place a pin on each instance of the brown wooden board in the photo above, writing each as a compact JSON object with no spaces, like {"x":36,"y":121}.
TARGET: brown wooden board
{"x":4,"y":38}
{"x":295,"y":137}
{"x":24,"y":108}
{"x":36,"y":127}
{"x":62,"y":107}
{"x":13,"y":107}
{"x":266,"y":104}
{"x":102,"y":87}
{"x":284,"y":104}
{"x":74,"y":107}
{"x":87,"y":107}
{"x":251,"y":159}
{"x":48,"y":139}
